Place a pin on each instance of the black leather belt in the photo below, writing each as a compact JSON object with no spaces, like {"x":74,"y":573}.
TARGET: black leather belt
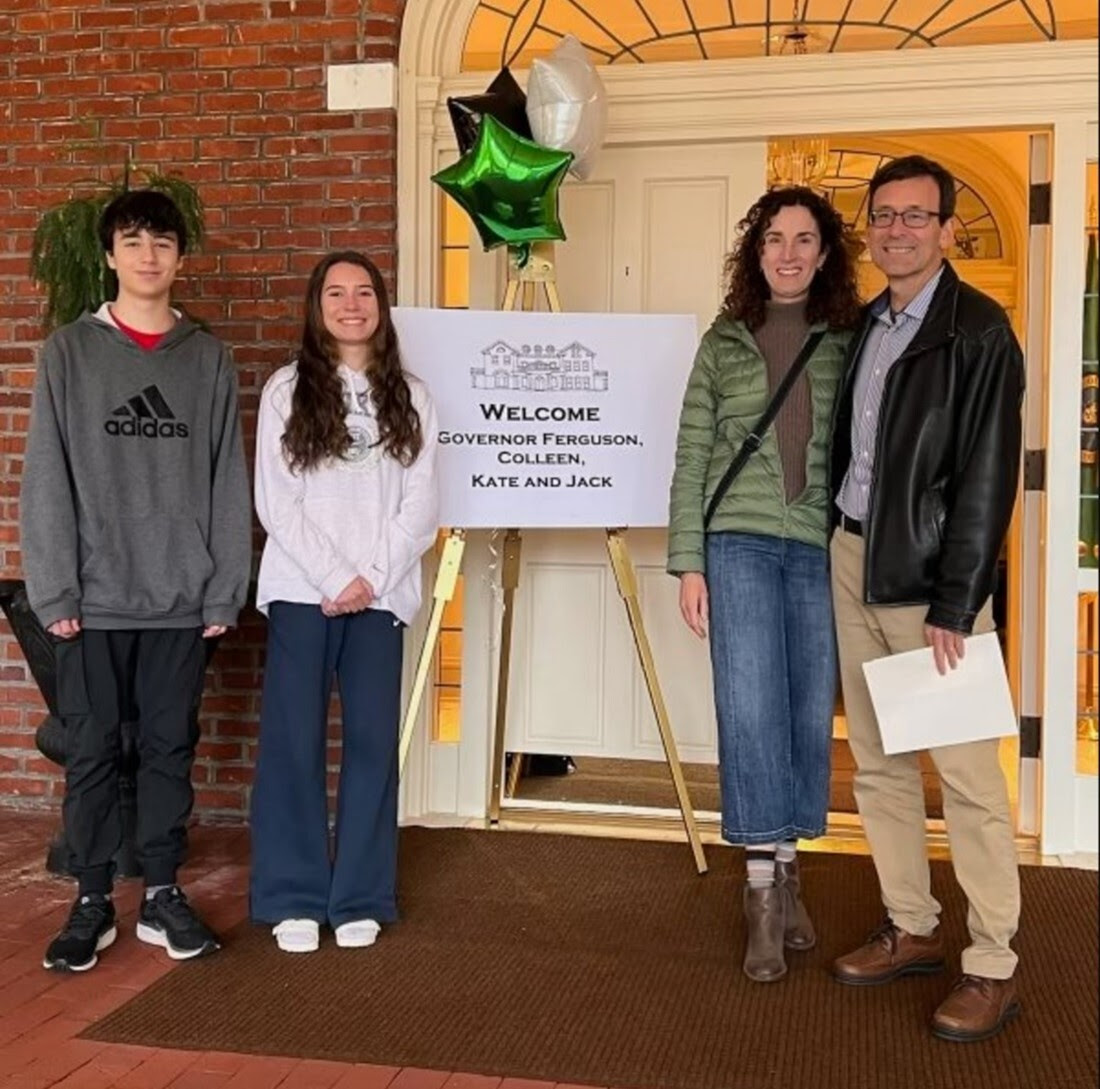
{"x":850,"y":525}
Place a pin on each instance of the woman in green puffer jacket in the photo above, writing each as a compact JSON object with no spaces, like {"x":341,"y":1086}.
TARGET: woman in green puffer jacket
{"x":754,"y":577}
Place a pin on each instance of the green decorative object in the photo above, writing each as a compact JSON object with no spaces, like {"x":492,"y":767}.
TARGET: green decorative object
{"x":66,"y":256}
{"x":1090,"y":339}
{"x":1088,"y":536}
{"x":509,"y":187}
{"x":1088,"y":519}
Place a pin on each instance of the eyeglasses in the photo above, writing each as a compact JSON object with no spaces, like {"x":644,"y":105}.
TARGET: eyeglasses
{"x":911,"y":217}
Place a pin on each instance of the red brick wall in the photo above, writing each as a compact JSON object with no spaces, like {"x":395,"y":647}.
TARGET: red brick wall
{"x":230,"y":94}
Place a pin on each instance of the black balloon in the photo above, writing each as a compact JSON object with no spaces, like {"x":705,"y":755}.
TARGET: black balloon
{"x":503,"y":99}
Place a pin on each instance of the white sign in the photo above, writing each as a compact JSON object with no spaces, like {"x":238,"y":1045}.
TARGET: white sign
{"x":917,"y":708}
{"x":552,"y":420}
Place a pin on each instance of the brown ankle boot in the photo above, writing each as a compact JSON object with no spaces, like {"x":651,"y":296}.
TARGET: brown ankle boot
{"x":764,"y":919}
{"x":799,"y":933}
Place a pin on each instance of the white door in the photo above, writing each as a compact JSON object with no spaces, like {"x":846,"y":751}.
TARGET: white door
{"x":648,"y":232}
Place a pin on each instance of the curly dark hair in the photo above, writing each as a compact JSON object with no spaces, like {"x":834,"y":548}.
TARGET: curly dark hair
{"x":834,"y":296}
{"x":317,"y":428}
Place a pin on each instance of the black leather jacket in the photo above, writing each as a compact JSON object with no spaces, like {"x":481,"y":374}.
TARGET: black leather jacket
{"x":947,"y":457}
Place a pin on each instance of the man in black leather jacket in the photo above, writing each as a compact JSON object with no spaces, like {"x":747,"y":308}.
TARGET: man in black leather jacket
{"x":925,"y":463}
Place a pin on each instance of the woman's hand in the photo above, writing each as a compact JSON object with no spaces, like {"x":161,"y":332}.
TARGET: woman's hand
{"x":353,"y":598}
{"x":693,"y":602}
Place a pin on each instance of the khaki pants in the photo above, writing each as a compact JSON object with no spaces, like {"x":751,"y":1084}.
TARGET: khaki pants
{"x":890,"y":794}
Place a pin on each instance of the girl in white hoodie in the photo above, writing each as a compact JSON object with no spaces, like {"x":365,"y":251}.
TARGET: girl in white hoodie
{"x":346,"y":489}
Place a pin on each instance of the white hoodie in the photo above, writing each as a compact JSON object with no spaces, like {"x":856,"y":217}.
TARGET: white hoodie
{"x":363,"y":514}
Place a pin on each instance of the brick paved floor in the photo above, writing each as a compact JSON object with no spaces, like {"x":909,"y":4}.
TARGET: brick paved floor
{"x":41,"y":1012}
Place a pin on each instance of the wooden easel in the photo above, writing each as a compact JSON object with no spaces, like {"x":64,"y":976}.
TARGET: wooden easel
{"x":521,"y":294}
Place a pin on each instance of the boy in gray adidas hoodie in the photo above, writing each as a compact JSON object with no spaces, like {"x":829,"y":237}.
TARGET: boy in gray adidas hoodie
{"x":136,"y":543}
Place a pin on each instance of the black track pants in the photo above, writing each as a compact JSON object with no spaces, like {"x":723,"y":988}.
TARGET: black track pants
{"x":152,"y":677}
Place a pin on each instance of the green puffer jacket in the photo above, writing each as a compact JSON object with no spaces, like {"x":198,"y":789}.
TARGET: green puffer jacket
{"x":726,"y":394}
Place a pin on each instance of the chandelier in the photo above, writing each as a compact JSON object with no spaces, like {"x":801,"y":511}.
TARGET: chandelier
{"x":801,"y":160}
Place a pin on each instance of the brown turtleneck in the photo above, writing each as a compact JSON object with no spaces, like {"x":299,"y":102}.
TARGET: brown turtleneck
{"x":779,"y":339}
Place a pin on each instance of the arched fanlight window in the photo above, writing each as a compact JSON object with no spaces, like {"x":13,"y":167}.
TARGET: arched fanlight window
{"x":513,"y":32}
{"x":977,"y":236}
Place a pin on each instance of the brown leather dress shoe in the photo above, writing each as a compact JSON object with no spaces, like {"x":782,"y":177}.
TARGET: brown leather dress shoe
{"x":976,"y":1009}
{"x":888,"y":953}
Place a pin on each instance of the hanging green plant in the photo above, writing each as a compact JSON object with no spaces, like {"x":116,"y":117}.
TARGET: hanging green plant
{"x":66,"y":257}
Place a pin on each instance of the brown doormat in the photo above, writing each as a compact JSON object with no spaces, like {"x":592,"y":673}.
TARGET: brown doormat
{"x":608,"y":962}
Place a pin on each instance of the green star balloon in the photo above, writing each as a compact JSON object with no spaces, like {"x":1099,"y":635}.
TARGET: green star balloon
{"x":508,"y":186}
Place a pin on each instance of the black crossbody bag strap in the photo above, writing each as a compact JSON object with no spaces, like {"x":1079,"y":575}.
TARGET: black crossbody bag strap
{"x":756,"y":436}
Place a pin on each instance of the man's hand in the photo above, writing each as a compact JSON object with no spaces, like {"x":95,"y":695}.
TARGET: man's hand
{"x":212,"y":631}
{"x":948,"y":647}
{"x":65,"y":629}
{"x":354,"y":598}
{"x":694,"y":606}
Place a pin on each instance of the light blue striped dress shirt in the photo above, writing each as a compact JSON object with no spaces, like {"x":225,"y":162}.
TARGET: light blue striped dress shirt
{"x":887,"y":339}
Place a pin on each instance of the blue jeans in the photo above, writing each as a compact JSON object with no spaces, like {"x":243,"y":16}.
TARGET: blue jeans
{"x":296,"y":872}
{"x":773,"y":650}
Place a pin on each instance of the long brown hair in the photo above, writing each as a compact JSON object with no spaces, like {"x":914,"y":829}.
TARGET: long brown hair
{"x":834,"y":295}
{"x":317,"y":427}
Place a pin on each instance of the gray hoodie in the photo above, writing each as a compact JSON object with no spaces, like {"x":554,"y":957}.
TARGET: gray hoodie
{"x":135,"y":509}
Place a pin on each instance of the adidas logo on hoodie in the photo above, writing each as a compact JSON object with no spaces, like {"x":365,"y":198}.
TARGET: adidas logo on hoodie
{"x":146,"y":415}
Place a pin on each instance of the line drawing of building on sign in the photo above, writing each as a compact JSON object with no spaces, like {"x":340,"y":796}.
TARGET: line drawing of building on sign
{"x":538,"y":368}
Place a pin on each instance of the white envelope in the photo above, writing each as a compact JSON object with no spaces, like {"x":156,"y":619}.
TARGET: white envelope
{"x":919,"y":709}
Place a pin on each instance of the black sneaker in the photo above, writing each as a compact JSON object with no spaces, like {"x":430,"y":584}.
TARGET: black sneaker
{"x":168,"y":920}
{"x":89,"y":930}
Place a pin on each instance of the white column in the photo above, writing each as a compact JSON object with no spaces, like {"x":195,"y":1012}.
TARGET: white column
{"x":1063,"y":398}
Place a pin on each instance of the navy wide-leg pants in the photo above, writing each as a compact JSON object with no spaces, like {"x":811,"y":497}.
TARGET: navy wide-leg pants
{"x":296,"y":872}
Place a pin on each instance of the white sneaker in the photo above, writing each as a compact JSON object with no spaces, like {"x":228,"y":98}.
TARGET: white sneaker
{"x":357,"y":934}
{"x":297,"y":935}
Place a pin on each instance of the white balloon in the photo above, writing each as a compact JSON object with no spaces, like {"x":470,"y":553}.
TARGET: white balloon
{"x":567,"y":104}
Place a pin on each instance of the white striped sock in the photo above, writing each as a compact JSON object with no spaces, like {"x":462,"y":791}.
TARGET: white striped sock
{"x":760,"y":865}
{"x":786,"y":851}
